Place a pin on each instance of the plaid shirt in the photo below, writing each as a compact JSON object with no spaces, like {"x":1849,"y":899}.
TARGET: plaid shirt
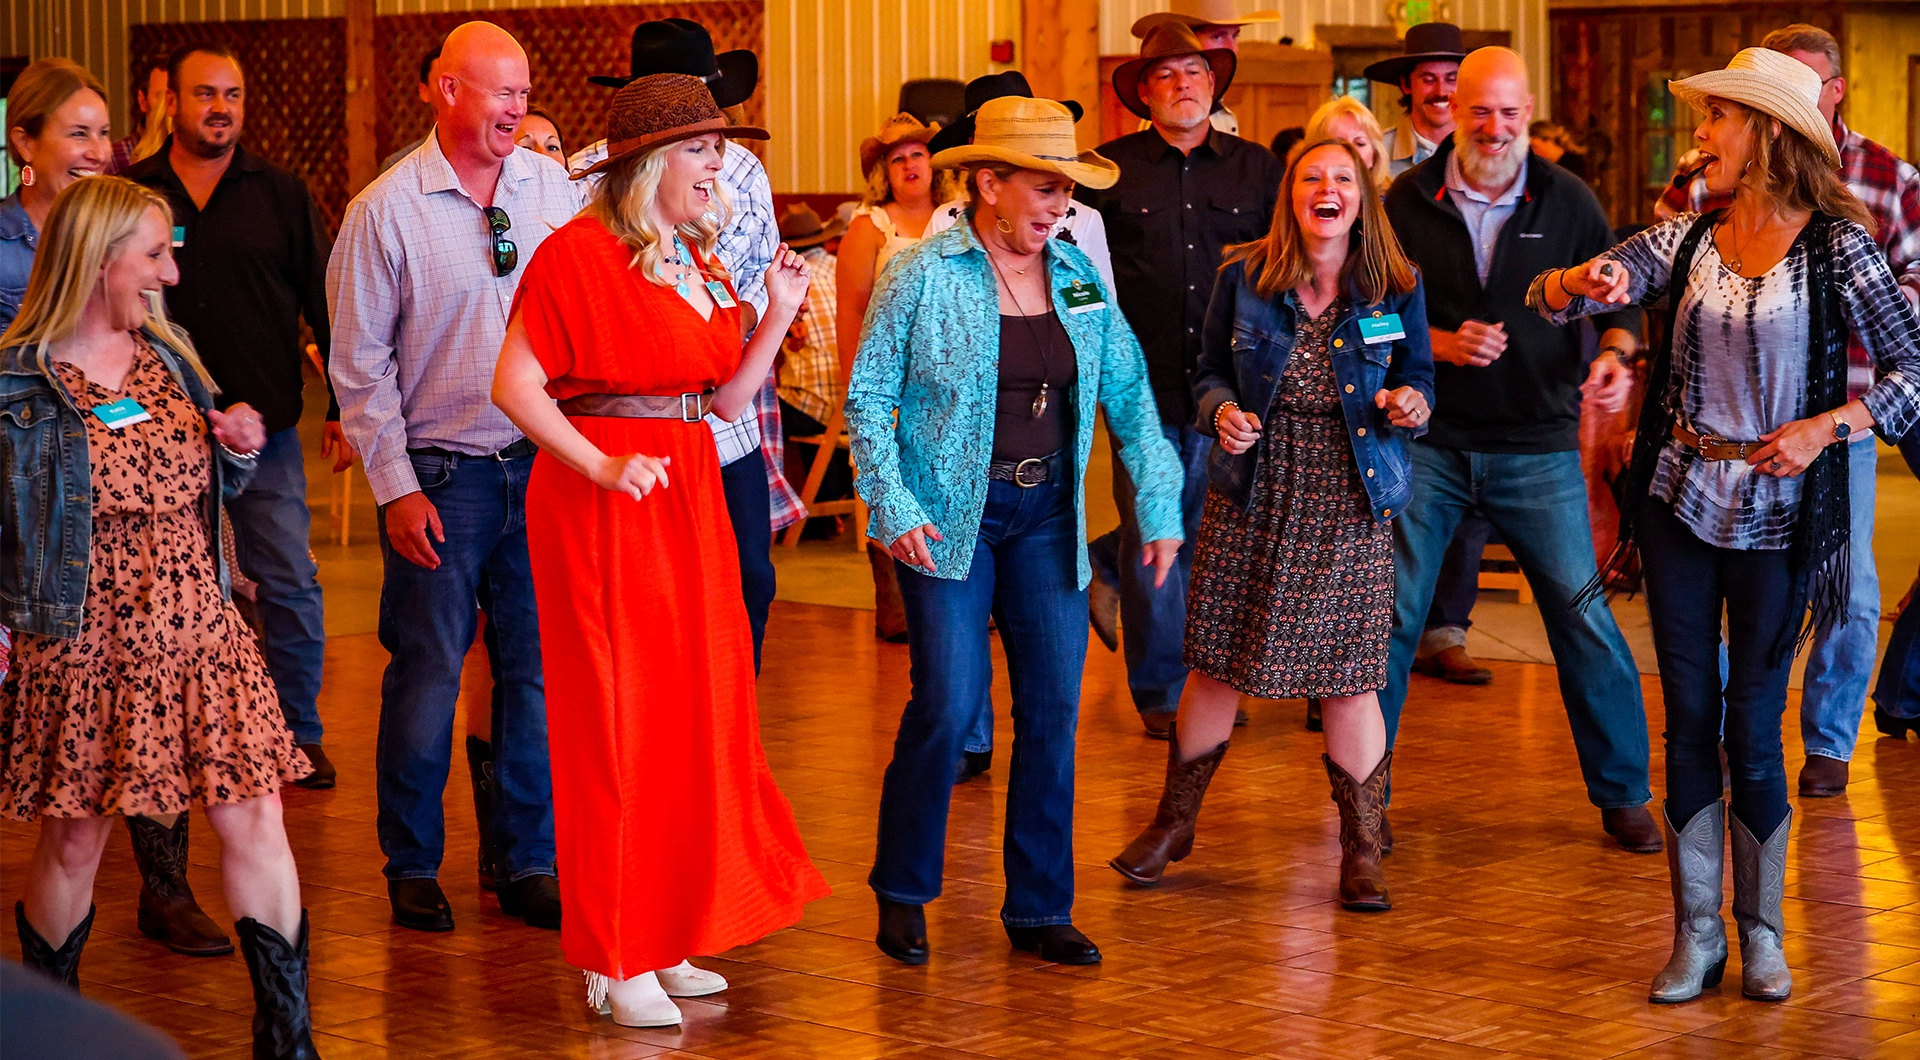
{"x":810,"y":375}
{"x":123,"y":153}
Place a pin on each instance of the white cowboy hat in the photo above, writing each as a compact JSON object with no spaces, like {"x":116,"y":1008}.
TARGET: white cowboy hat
{"x":1774,"y":83}
{"x":1031,"y":134}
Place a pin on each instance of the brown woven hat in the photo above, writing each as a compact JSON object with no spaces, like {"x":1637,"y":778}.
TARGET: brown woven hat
{"x":899,"y":129}
{"x":663,"y":109}
{"x":1166,"y":41}
{"x":801,"y":228}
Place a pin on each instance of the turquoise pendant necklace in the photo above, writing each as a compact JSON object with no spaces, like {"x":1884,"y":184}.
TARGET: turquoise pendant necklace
{"x":683,"y":258}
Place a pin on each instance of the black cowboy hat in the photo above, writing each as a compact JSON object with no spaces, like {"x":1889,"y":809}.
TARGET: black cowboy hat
{"x":979,"y":91}
{"x":1429,"y":42}
{"x":680,"y":46}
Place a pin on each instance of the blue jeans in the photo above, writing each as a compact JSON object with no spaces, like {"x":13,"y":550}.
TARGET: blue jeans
{"x":1840,"y":663}
{"x":1153,"y":622}
{"x":1458,"y":587}
{"x":1690,"y":585}
{"x":1538,"y":505}
{"x":1898,"y":690}
{"x":1025,"y":571}
{"x":427,"y":623}
{"x":750,"y":509}
{"x":270,"y":527}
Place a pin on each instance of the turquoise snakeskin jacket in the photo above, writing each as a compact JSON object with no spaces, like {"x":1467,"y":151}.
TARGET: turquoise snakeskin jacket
{"x":931,"y":350}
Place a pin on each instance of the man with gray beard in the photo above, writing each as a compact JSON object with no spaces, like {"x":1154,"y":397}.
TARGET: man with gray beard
{"x":1482,"y":218}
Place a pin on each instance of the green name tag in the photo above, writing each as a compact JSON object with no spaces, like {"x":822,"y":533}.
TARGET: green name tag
{"x":1081,"y":298}
{"x":1381,"y":327}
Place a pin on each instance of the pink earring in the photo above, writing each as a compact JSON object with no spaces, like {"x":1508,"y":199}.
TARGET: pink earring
{"x":26,"y":176}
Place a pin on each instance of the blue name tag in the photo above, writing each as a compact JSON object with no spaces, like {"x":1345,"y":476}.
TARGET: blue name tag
{"x":1381,"y":327}
{"x":122,"y":413}
{"x":179,"y":235}
{"x":720,"y":296}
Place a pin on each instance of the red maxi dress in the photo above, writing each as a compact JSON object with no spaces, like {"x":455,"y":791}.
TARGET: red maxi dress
{"x":673,"y":840}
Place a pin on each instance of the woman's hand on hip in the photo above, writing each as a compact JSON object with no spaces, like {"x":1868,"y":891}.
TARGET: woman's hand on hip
{"x":1160,"y":556}
{"x":787,"y":279}
{"x":239,"y":428}
{"x":633,"y":474}
{"x":911,"y":547}
{"x":1238,"y":431}
{"x":1405,"y":406}
{"x":1792,"y":447}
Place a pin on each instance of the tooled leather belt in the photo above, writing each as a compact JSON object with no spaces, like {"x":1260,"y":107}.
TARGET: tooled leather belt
{"x":1027,"y":473}
{"x":1711,"y":448}
{"x":688,"y":408}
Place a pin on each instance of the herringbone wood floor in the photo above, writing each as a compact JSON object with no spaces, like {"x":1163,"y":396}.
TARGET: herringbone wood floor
{"x":1517,"y":929}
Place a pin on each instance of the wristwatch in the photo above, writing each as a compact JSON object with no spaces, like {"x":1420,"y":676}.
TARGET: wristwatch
{"x":1841,"y":428}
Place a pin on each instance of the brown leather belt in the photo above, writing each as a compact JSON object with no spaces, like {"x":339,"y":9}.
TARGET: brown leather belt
{"x":688,"y":408}
{"x":1711,"y":448}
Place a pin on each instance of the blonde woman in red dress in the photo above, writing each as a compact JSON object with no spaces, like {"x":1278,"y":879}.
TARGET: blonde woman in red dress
{"x":673,"y":840}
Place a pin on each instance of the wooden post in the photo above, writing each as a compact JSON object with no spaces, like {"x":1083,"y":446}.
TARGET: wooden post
{"x":363,"y":96}
{"x":1061,"y":56}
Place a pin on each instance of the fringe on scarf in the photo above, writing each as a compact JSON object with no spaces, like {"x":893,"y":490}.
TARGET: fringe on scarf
{"x":597,"y":986}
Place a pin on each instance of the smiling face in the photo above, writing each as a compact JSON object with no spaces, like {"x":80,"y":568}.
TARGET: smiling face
{"x":538,"y":134}
{"x":910,"y":172}
{"x":686,"y":185}
{"x":1431,"y":86}
{"x":208,"y":105}
{"x":1178,"y":92}
{"x":142,"y":265}
{"x":1032,"y":200}
{"x":482,"y":91}
{"x":72,"y":144}
{"x":1726,"y":144}
{"x":1494,"y":108}
{"x":1326,"y":193}
{"x":1348,"y":128}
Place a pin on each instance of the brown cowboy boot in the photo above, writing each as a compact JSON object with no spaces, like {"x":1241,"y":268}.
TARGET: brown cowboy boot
{"x":1362,"y":806}
{"x":1170,"y":836}
{"x":168,"y":913}
{"x":889,"y":611}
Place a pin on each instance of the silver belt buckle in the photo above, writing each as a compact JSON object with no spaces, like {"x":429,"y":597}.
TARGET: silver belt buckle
{"x":1020,"y":472}
{"x":690,"y":415}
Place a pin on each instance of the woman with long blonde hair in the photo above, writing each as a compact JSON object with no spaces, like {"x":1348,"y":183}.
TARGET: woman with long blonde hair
{"x":135,"y":688}
{"x":673,"y":840}
{"x":1346,"y":118}
{"x":1314,"y":374}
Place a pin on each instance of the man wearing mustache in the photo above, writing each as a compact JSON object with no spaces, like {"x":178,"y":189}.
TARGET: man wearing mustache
{"x":1425,"y":73}
{"x":1481,"y":219}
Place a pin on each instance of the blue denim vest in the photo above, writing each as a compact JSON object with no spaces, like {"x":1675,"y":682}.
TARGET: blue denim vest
{"x":1244,"y":351}
{"x":46,"y":531}
{"x":17,"y":240}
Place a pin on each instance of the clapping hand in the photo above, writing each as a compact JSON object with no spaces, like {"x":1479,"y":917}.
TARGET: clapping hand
{"x":787,"y":278}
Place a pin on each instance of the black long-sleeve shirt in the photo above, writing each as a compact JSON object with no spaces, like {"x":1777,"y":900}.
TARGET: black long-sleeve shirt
{"x":1169,"y":217}
{"x":252,"y":264}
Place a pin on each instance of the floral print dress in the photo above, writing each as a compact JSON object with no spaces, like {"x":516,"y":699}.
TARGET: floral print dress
{"x":163,"y":699}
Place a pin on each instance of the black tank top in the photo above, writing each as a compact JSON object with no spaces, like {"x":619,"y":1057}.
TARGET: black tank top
{"x":1033,"y":350}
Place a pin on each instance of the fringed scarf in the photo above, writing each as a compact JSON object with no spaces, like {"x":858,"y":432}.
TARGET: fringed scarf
{"x":1817,"y":553}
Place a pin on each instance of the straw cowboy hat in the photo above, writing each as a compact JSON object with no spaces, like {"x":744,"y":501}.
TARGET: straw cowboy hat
{"x":979,"y":91}
{"x":1167,"y":41}
{"x":1429,"y":42}
{"x":801,"y":228}
{"x":1773,"y":83}
{"x":1031,"y":134}
{"x":682,"y":46}
{"x":1197,"y":13}
{"x":661,"y":109}
{"x":902,"y":128}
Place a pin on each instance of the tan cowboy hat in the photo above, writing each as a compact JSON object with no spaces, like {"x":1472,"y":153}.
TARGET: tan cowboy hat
{"x":1774,"y":83}
{"x":900,"y":129}
{"x":1031,"y":134}
{"x":1197,"y":13}
{"x":661,"y":109}
{"x":1166,"y":41}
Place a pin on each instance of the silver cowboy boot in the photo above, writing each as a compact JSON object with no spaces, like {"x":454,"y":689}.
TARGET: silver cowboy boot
{"x":1695,"y":862}
{"x":1759,"y":883}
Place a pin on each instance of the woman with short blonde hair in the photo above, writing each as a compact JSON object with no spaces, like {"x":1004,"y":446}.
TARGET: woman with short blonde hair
{"x":1346,"y":118}
{"x":135,"y":688}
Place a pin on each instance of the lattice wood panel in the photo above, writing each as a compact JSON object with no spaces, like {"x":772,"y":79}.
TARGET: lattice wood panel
{"x":296,"y":91}
{"x":564,"y":46}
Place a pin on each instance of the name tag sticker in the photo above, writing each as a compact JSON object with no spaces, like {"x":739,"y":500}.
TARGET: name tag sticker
{"x":179,"y":235}
{"x":1082,"y":299}
{"x":122,"y":413}
{"x":1381,"y":327}
{"x":720,"y":296}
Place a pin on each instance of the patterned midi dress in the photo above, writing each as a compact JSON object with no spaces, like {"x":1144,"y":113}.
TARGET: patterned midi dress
{"x":163,"y":699}
{"x":1293,"y":597}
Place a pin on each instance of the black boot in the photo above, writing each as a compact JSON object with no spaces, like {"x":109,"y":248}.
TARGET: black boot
{"x":282,"y":1023}
{"x":480,"y":771}
{"x":168,"y":913}
{"x":61,"y":965}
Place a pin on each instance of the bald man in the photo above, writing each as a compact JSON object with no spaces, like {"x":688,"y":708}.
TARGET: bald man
{"x":1482,"y":218}
{"x":421,"y":282}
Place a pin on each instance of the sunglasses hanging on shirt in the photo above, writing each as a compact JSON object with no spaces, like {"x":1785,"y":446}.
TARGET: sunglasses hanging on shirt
{"x":505,"y":254}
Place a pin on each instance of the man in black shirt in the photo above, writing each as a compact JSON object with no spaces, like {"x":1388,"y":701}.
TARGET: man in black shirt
{"x":1482,"y":218}
{"x":252,"y":252}
{"x":1186,"y":191}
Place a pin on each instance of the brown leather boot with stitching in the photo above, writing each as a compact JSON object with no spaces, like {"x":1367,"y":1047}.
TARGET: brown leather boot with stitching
{"x":1170,"y":836}
{"x":168,"y":913}
{"x":1363,"y":806}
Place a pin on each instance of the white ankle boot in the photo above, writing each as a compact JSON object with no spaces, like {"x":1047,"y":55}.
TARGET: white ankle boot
{"x":635,"y":1002}
{"x":684,"y":980}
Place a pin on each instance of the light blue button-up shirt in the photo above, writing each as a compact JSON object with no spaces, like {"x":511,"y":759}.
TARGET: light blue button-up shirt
{"x":1484,"y":217}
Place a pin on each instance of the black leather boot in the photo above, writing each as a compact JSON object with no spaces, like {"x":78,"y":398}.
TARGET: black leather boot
{"x":168,"y":913}
{"x":61,"y":965}
{"x":480,"y":771}
{"x":282,"y":1022}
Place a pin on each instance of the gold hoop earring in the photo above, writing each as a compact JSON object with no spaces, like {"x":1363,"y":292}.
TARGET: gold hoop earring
{"x":1005,"y":226}
{"x":26,"y":176}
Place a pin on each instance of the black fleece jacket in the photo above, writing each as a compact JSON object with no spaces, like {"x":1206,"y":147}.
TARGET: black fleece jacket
{"x":1528,"y":401}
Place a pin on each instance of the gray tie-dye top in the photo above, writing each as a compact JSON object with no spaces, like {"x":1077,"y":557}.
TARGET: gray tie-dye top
{"x":1740,"y":367}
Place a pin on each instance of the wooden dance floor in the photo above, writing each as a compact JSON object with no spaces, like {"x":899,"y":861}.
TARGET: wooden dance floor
{"x":1518,"y":928}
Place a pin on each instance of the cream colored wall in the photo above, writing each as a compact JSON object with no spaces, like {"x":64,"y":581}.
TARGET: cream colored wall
{"x":1525,"y":19}
{"x":1878,"y":47}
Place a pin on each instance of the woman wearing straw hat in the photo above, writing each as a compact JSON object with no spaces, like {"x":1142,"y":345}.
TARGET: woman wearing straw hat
{"x":1736,"y":500}
{"x":996,"y":345}
{"x":672,"y":838}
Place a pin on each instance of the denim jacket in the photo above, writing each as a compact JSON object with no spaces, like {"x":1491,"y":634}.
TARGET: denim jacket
{"x":1244,"y":351}
{"x":931,"y":350}
{"x":17,"y":240}
{"x":46,"y":532}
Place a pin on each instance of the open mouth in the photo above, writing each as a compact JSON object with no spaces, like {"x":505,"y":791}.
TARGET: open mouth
{"x":1707,"y":161}
{"x":704,"y":189}
{"x":1327,"y":211}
